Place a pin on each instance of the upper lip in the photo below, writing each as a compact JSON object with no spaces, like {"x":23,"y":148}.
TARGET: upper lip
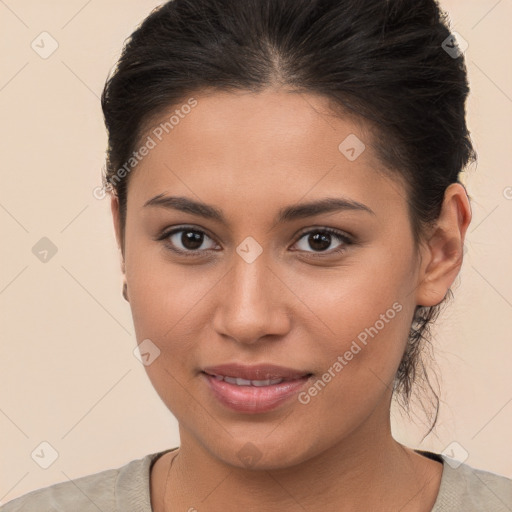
{"x":256,"y":372}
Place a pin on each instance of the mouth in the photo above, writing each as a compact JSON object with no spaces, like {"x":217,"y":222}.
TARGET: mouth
{"x":238,"y":381}
{"x":258,"y":375}
{"x":254,"y":389}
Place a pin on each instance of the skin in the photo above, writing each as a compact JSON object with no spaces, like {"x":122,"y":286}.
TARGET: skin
{"x":249,"y":155}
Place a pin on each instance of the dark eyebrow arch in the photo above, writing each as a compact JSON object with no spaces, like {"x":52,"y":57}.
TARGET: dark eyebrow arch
{"x":287,"y":214}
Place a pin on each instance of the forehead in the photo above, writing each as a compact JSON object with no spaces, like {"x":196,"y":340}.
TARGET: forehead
{"x":259,"y":147}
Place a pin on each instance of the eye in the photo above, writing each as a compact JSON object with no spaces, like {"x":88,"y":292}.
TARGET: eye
{"x":321,"y":238}
{"x":190,"y":241}
{"x":185,"y":240}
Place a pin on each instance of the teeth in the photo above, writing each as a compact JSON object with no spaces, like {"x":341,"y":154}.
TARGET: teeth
{"x":244,"y":382}
{"x":237,"y":381}
{"x":268,"y":382}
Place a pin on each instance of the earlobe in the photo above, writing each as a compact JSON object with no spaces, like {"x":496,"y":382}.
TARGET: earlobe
{"x":444,"y":250}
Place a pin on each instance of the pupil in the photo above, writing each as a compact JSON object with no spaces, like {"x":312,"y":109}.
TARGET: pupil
{"x":191,"y":239}
{"x":323,"y":240}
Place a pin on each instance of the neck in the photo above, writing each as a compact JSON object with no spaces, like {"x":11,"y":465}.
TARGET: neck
{"x":367,"y":470}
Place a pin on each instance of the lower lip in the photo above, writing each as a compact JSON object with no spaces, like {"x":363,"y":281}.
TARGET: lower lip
{"x":254,"y":399}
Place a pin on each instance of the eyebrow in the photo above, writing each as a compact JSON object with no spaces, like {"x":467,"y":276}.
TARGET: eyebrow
{"x":287,"y":214}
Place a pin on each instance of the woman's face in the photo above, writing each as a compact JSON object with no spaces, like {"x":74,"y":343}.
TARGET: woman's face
{"x":252,"y":286}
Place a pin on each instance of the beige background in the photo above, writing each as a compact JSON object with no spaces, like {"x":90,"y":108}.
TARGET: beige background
{"x":69,"y":376}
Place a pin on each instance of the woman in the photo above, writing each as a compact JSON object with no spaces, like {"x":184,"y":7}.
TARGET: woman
{"x":284,"y":180}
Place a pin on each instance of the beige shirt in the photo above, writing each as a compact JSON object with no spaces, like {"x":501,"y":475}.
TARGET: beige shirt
{"x":127,"y":489}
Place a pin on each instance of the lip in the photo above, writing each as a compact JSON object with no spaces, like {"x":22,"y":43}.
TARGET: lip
{"x":256,"y":372}
{"x":255,"y":399}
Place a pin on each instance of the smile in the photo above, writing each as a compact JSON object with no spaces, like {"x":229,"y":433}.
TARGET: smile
{"x":266,"y":392}
{"x":244,"y":382}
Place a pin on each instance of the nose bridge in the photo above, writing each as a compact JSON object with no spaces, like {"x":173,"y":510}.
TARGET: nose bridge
{"x":248,"y":278}
{"x":249,"y":306}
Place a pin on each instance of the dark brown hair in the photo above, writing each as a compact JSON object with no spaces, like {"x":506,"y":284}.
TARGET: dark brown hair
{"x":383,"y":61}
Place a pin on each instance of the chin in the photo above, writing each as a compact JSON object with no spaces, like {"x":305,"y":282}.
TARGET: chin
{"x":260,"y":453}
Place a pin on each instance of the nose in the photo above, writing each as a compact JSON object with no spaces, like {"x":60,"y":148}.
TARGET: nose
{"x":252,"y":302}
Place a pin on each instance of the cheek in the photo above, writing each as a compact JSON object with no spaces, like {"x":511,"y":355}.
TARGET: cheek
{"x":171,"y":306}
{"x":166,"y":306}
{"x":362,"y":314}
{"x":360,"y":360}
{"x":345,"y":301}
{"x":161,"y":293}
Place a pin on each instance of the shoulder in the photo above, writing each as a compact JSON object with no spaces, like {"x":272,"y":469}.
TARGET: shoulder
{"x":90,"y":492}
{"x":464,"y":487}
{"x":106,"y":490}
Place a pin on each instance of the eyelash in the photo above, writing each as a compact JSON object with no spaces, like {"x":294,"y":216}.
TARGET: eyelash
{"x":339,"y":235}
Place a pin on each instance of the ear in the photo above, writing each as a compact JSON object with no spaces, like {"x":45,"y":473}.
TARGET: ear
{"x":114,"y":207}
{"x":443,"y":252}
